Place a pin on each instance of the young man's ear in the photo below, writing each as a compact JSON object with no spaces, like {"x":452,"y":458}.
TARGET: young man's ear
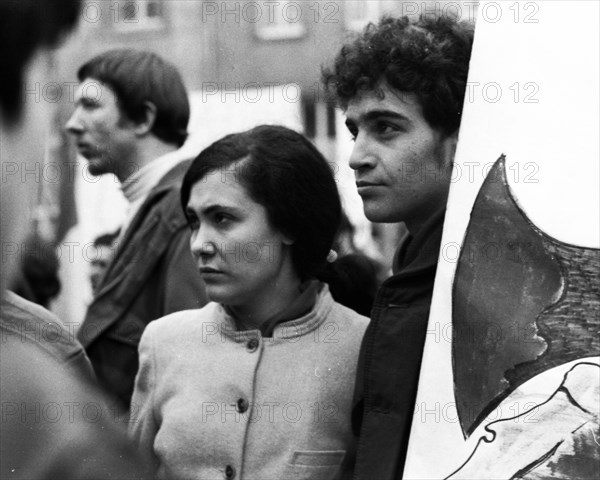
{"x":144,"y":126}
{"x":287,"y":239}
{"x":448,"y":149}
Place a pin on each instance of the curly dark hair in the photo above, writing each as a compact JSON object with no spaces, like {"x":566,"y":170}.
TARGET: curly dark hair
{"x":428,"y":57}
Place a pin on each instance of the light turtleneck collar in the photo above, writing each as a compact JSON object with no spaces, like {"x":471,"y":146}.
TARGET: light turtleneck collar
{"x":139,"y":184}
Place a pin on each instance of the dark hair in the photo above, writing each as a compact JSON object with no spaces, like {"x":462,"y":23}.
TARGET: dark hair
{"x":353,"y":282}
{"x":428,"y":57}
{"x":26,"y":26}
{"x":285,"y":173}
{"x":138,"y":77}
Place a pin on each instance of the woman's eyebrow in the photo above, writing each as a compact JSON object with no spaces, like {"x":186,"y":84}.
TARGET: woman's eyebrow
{"x":207,"y":210}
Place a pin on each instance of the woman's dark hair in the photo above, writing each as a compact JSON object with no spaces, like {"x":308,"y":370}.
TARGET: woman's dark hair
{"x":284,"y":172}
{"x":353,"y":282}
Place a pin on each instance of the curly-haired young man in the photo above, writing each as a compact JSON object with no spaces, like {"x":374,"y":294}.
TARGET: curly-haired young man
{"x":401,"y":85}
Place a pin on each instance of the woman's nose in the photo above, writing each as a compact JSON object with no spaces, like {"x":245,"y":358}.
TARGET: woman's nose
{"x":201,"y":244}
{"x":207,"y":249}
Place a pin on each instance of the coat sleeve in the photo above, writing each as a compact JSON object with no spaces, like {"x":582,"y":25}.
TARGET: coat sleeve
{"x":143,"y":426}
{"x":183,"y":288}
{"x":81,"y":364}
{"x":79,"y":438}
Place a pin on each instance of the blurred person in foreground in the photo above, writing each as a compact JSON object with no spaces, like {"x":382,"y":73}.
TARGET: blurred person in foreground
{"x":401,"y":85}
{"x":131,"y":115}
{"x":257,"y":384}
{"x":54,"y":424}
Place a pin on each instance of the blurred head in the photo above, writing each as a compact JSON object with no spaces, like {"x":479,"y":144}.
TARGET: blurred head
{"x":265,"y":185}
{"x":125,"y":96}
{"x":26,"y":28}
{"x":402,"y":85}
{"x":29,"y":32}
{"x":38,"y":280}
{"x":105,"y":250}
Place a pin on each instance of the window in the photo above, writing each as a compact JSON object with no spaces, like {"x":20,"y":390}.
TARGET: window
{"x":277,"y":20}
{"x":138,"y":15}
{"x":357,"y":13}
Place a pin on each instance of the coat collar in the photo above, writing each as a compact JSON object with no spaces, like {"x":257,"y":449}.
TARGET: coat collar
{"x":288,"y":330}
{"x":420,"y":252}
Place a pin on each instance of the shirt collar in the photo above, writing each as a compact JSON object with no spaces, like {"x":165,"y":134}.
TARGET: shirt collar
{"x":139,"y":184}
{"x":420,"y":251}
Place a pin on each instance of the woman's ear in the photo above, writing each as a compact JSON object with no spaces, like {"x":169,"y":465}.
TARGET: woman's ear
{"x":286,"y":238}
{"x":145,"y":126}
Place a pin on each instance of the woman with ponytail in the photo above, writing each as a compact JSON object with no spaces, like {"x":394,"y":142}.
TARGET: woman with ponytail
{"x":259,"y":383}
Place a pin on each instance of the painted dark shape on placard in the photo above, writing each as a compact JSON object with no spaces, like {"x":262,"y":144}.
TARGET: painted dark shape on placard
{"x":523,"y":302}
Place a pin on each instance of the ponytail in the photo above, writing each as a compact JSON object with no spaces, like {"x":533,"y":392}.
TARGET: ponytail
{"x":352,"y":281}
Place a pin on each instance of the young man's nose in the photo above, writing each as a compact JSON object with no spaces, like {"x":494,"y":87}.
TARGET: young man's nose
{"x":361,"y":156}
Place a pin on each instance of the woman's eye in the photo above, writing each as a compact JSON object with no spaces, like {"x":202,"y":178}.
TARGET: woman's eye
{"x":221,"y":218}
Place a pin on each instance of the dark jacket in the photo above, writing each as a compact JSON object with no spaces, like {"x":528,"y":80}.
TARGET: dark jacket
{"x":153,"y":274}
{"x":390,"y":357}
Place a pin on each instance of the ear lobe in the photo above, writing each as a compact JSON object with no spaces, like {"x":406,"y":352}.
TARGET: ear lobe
{"x":449,"y":149}
{"x":145,"y":126}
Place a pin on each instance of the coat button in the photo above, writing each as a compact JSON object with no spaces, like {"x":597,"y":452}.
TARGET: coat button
{"x":229,"y":471}
{"x":242,"y":405}
{"x":252,"y":345}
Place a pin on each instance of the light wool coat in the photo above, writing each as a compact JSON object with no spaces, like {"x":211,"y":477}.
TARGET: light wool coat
{"x":211,"y":402}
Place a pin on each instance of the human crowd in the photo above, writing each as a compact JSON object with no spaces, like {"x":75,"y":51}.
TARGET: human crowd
{"x":229,"y":337}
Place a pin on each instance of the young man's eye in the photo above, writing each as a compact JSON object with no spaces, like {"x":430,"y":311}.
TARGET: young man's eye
{"x":353,"y":133}
{"x":386,"y":128}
